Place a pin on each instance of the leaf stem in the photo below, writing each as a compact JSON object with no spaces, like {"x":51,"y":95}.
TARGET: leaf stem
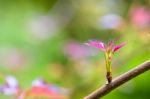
{"x":108,"y":66}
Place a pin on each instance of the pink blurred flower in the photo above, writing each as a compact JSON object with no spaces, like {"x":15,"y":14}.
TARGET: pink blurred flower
{"x":38,"y":91}
{"x":41,"y":83}
{"x":42,"y":89}
{"x":75,"y":50}
{"x":140,"y":16}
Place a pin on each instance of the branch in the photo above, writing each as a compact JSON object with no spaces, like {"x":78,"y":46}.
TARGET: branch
{"x":105,"y":89}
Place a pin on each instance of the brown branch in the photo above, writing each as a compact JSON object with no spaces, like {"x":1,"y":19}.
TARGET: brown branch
{"x":105,"y":89}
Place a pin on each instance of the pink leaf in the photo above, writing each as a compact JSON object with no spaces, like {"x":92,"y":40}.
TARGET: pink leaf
{"x":117,"y":47}
{"x":97,"y":44}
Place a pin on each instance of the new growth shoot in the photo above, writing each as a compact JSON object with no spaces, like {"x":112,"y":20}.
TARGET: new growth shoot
{"x":109,"y":49}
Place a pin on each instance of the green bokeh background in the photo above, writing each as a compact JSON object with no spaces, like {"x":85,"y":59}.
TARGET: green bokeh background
{"x":77,"y":21}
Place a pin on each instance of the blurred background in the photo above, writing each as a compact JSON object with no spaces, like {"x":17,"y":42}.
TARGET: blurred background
{"x":45,"y":39}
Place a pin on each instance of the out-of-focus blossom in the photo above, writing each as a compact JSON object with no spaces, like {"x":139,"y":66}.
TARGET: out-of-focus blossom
{"x":39,"y":82}
{"x":44,"y":92}
{"x":11,"y":86}
{"x":110,"y":21}
{"x":109,"y":50}
{"x":76,"y":50}
{"x":44,"y":27}
{"x":140,"y":16}
{"x":41,"y":89}
{"x":11,"y":81}
{"x":13,"y":58}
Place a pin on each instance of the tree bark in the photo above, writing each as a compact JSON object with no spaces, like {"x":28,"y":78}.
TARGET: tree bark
{"x":105,"y":89}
